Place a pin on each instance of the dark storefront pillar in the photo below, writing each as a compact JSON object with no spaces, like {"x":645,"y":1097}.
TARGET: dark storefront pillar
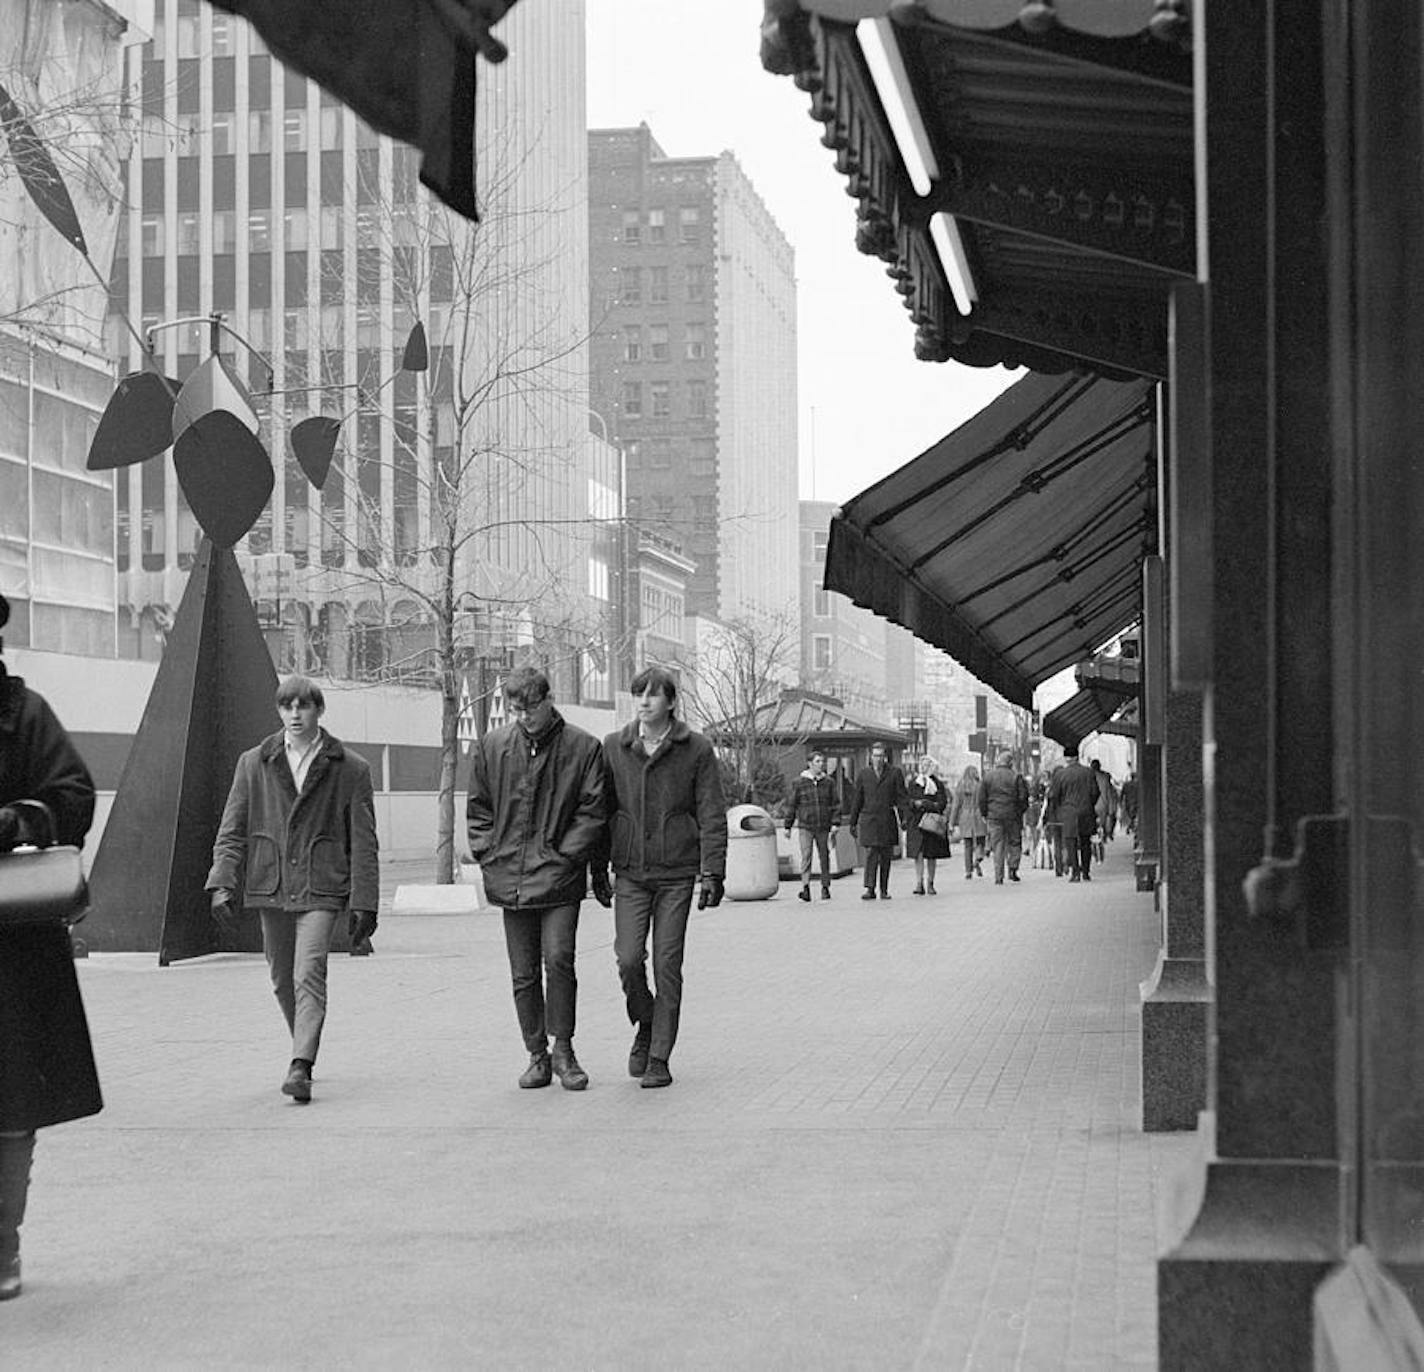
{"x":1177,"y":996}
{"x":1237,"y":1290}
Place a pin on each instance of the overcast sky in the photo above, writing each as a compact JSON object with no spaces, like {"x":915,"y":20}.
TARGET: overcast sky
{"x":691,"y":69}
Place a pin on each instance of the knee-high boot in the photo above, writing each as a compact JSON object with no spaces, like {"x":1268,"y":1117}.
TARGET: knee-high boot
{"x":16,"y":1153}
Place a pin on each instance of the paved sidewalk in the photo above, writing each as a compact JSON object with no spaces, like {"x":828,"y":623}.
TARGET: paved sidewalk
{"x":902,"y":1135}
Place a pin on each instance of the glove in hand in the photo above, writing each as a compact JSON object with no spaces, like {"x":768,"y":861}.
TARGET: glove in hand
{"x":224,"y":915}
{"x":711,"y":894}
{"x":360,"y":925}
{"x":602,"y":888}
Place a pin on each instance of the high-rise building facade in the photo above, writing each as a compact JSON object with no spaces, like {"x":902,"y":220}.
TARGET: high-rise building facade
{"x":693,"y":365}
{"x":63,"y":66}
{"x":254,"y":194}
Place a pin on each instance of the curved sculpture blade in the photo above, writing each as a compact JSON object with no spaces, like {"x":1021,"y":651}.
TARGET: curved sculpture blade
{"x":39,"y":174}
{"x":225,"y":474}
{"x":137,"y":423}
{"x":313,"y":441}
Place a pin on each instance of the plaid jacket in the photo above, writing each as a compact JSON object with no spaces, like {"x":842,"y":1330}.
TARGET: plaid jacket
{"x":813,"y":804}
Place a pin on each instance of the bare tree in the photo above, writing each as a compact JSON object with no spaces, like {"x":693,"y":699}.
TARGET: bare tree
{"x":479,"y":516}
{"x":741,"y":669}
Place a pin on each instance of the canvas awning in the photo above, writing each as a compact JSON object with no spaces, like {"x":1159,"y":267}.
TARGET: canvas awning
{"x":1106,"y":684}
{"x":1015,"y":542}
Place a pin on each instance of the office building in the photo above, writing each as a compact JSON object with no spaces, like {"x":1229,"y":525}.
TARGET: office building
{"x":693,"y":366}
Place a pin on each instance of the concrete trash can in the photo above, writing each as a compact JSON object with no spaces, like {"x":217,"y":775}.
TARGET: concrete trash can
{"x":751,"y":854}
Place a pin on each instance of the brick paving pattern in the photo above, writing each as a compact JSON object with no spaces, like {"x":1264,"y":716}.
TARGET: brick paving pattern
{"x":902,"y":1135}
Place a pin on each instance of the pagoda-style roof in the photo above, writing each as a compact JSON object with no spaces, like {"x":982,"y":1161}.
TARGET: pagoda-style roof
{"x":800,"y":716}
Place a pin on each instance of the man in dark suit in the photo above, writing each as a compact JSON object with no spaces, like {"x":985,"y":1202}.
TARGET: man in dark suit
{"x":877,"y":812}
{"x":1073,"y":797}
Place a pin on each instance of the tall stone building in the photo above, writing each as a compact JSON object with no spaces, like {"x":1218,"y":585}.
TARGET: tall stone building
{"x":693,"y":366}
{"x":253,"y":193}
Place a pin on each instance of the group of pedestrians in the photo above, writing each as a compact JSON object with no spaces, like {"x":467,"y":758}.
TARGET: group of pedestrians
{"x":549,"y":811}
{"x":1079,"y":808}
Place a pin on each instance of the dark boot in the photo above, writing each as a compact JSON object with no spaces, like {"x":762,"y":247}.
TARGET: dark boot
{"x":566,"y":1067}
{"x":16,"y":1153}
{"x":657,"y":1073}
{"x":540,"y":1072}
{"x":638,"y":1053}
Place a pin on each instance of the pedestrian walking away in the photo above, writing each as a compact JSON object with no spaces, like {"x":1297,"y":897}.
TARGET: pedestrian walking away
{"x":47,"y":1073}
{"x":667,"y":832}
{"x":967,"y":823}
{"x":535,"y":816}
{"x":813,"y":811}
{"x":927,"y":832}
{"x":878,"y":810}
{"x":1002,"y":800}
{"x":1073,"y":794}
{"x":298,"y":839}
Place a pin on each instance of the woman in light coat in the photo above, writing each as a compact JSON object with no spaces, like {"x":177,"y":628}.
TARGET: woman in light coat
{"x":972,"y":826}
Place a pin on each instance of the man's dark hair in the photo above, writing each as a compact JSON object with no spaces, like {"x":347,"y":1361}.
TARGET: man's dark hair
{"x":300,"y":690}
{"x":1071,"y":754}
{"x":1096,"y":765}
{"x":526,"y":686}
{"x":816,"y":752}
{"x":655,"y":679}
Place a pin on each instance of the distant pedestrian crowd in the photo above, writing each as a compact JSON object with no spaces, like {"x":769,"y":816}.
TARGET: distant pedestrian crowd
{"x":638,"y":821}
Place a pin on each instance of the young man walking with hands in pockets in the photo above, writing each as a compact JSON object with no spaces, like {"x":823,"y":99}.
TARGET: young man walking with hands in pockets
{"x":668,"y":828}
{"x":535,"y":814}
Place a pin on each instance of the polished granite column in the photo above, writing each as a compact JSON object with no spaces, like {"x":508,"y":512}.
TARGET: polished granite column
{"x":1177,"y":996}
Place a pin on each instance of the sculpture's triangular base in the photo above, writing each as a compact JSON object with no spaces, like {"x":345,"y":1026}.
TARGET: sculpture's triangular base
{"x":213,"y":697}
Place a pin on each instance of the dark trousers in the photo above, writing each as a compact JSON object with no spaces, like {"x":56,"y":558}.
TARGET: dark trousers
{"x":541,"y":945}
{"x":640,"y":909}
{"x":973,"y":852}
{"x":1080,"y":853}
{"x":878,"y":860}
{"x":1006,"y":843}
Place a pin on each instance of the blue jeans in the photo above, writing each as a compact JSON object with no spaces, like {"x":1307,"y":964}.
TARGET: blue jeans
{"x":296,"y":946}
{"x":637,"y":909}
{"x":541,"y":943}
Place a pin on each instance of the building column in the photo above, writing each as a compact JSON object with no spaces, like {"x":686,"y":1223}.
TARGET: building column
{"x":1177,"y":996}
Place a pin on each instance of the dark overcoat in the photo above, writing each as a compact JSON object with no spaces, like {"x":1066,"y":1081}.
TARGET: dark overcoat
{"x":535,"y":813}
{"x":920,"y":842}
{"x":879,"y":807}
{"x":667,"y":816}
{"x":1072,"y":796}
{"x":47,"y":1072}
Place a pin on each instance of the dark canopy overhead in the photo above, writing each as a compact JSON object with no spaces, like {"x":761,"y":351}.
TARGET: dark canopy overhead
{"x":1106,"y":685}
{"x":1062,"y":139}
{"x":1014,"y":543}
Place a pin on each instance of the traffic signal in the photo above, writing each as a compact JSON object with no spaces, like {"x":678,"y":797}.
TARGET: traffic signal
{"x":981,"y":712}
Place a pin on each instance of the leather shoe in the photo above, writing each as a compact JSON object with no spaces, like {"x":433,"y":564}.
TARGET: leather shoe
{"x":1075,"y":877}
{"x":825,"y":893}
{"x":657,"y":1073}
{"x":540,"y":1072}
{"x":804,"y":893}
{"x":9,"y":1278}
{"x":298,"y":1083}
{"x":918,"y":891}
{"x":868,"y":895}
{"x":566,"y":1067}
{"x":1014,"y":876}
{"x":638,"y":1053}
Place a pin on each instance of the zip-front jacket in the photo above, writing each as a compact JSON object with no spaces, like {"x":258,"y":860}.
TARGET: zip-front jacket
{"x":535,"y":813}
{"x":813,"y":803}
{"x":668,"y":819}
{"x":313,"y":851}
